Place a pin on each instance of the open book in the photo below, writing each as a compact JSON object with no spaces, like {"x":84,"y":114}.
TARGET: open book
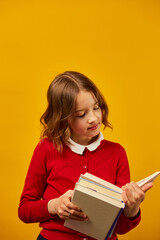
{"x":103,"y":204}
{"x":148,"y":179}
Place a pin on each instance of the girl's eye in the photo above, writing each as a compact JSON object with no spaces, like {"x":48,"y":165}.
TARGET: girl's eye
{"x":81,"y":116}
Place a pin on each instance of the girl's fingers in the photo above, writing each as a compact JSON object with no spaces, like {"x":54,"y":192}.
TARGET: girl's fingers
{"x":124,"y":197}
{"x":73,"y":214}
{"x":78,"y":218}
{"x":68,"y":202}
{"x":71,"y":205}
{"x":137,"y":193}
{"x":134,"y":192}
{"x":128,"y":193}
{"x":132,"y":196}
{"x":75,"y":211}
{"x":147,"y":186}
{"x":67,"y":209}
{"x":78,"y":213}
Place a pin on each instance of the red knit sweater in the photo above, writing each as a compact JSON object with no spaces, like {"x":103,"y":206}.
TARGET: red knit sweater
{"x":52,"y":173}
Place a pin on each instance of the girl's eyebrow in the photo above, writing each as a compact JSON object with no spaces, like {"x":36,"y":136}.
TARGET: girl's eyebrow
{"x":80,"y":110}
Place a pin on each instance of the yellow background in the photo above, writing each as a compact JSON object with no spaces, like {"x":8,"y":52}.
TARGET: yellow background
{"x":117,"y":45}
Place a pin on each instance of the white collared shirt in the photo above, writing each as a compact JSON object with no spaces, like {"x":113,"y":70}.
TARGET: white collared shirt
{"x":79,"y":149}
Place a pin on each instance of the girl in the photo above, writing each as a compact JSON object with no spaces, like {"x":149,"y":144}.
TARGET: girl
{"x":72,"y":144}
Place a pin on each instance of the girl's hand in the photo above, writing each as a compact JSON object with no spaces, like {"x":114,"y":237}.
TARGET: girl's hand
{"x":132,"y":196}
{"x":64,"y":208}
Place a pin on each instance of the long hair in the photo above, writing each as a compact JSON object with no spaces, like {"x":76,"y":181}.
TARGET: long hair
{"x":61,"y":96}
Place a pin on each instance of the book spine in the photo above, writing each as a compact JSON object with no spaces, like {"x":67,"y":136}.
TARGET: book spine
{"x":114,"y":224}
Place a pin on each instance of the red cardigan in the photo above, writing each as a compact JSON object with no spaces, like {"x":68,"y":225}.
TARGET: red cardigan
{"x":51,"y":174}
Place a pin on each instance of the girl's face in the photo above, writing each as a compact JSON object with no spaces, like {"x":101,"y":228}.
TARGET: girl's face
{"x":85,"y":123}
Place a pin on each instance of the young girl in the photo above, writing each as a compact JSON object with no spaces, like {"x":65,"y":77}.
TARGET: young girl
{"x":72,"y":144}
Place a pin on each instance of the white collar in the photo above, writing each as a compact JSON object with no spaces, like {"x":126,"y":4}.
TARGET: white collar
{"x":79,"y":149}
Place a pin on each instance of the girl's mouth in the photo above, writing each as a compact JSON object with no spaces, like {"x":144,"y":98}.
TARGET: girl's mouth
{"x":94,"y":127}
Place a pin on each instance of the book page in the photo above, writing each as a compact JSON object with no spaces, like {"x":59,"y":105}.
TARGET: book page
{"x":101,"y":182}
{"x":100,"y":188}
{"x":148,"y":179}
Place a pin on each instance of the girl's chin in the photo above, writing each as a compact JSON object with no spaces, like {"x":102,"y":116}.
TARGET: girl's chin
{"x":93,"y":137}
{"x":87,"y":138}
{"x":93,"y":133}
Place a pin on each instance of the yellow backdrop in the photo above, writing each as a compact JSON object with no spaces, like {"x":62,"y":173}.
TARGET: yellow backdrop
{"x":115,"y":43}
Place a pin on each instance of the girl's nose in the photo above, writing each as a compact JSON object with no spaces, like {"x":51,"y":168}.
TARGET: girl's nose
{"x":92,"y":118}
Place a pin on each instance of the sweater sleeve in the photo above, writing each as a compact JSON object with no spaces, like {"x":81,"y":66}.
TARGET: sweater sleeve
{"x":32,"y":208}
{"x":124,"y":224}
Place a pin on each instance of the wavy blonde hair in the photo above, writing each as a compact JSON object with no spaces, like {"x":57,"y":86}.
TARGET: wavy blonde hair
{"x":61,"y":96}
